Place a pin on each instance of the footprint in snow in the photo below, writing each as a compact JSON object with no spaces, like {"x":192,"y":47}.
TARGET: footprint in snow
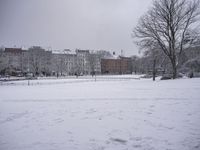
{"x":118,"y":140}
{"x":58,"y":120}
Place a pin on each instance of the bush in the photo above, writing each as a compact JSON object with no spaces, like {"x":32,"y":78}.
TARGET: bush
{"x":166,"y":78}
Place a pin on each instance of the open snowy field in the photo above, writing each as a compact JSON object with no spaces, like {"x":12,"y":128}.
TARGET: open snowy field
{"x":126,"y":114}
{"x":66,"y":79}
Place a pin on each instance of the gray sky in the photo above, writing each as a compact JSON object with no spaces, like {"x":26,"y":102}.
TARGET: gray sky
{"x":61,"y":24}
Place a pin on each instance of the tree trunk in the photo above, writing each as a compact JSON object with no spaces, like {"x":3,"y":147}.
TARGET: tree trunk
{"x":174,"y":70}
{"x":154,"y":70}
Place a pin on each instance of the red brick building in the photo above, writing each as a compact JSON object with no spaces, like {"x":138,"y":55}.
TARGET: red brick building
{"x":120,"y":65}
{"x":14,"y":60}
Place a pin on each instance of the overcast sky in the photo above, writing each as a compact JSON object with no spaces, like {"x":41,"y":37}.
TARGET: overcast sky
{"x":63,"y":24}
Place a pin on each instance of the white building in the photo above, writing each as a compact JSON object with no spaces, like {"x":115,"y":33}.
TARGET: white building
{"x":83,"y":64}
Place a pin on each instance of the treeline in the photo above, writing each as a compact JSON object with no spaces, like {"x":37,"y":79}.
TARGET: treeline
{"x":158,"y":64}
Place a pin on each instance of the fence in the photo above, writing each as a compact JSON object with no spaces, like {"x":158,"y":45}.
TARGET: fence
{"x":72,"y":79}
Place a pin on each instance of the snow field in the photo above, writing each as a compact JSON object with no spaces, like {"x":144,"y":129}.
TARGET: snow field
{"x":114,"y":115}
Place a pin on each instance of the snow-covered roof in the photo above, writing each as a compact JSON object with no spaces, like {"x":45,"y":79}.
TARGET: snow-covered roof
{"x":65,"y":51}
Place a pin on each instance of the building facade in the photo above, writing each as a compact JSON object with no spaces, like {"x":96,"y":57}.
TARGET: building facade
{"x":39,"y":62}
{"x":120,"y":65}
{"x":14,"y":61}
{"x":83,"y":63}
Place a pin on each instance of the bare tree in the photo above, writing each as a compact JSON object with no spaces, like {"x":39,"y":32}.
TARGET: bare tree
{"x":2,"y":61}
{"x":168,"y":23}
{"x":92,"y":62}
{"x":58,"y":64}
{"x":153,"y":54}
{"x":36,"y":59}
{"x":103,"y":54}
{"x":157,"y":61}
{"x":135,"y":64}
{"x":95,"y":62}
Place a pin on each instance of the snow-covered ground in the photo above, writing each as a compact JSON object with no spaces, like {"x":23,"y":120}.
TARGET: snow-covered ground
{"x":127,"y":114}
{"x":66,"y":79}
